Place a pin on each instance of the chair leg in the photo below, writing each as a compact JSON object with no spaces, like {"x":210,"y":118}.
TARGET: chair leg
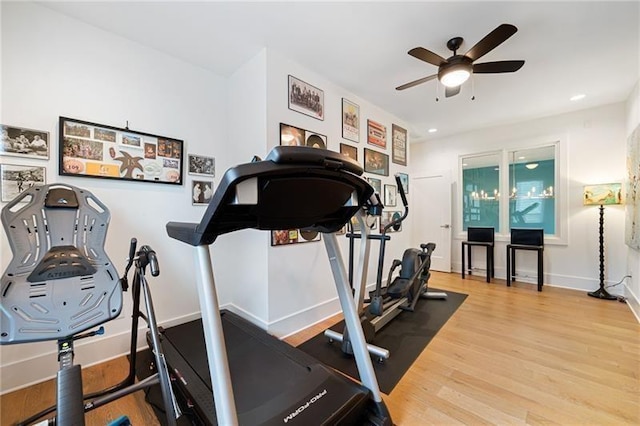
{"x":488,"y":266}
{"x":513,"y":264}
{"x":540,"y":273}
{"x":463,"y":265}
{"x":509,"y":253}
{"x":469,"y":261}
{"x":493,"y":265}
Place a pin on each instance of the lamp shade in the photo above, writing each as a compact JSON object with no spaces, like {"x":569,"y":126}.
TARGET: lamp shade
{"x":602,"y":194}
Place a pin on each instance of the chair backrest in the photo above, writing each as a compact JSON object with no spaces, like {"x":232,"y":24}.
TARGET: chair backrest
{"x":60,"y":281}
{"x":481,"y":234}
{"x":527,"y":237}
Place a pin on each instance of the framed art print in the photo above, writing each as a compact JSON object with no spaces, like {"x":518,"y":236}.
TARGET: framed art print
{"x":15,"y":179}
{"x":390,"y":195}
{"x":350,"y":121}
{"x":201,"y":192}
{"x":295,"y":136}
{"x":376,"y":162}
{"x":100,"y":151}
{"x":399,"y":145}
{"x":22,"y":142}
{"x":305,"y":98}
{"x":376,"y":134}
{"x":376,"y":184}
{"x":404,"y":178}
{"x":349,"y":151}
{"x":201,"y":165}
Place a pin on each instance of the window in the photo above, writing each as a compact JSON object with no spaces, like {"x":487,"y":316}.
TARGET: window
{"x":480,"y":195}
{"x":528,"y":180}
{"x":532,"y":183}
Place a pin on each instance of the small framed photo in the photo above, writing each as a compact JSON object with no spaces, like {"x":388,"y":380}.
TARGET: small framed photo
{"x":376,"y":184}
{"x":350,"y":121}
{"x":390,"y":195}
{"x":201,"y":192}
{"x":295,"y":136}
{"x":349,"y":151}
{"x":16,"y":179}
{"x":399,"y":145}
{"x":305,"y":98}
{"x":376,"y":162}
{"x":376,"y":134}
{"x":404,"y":178}
{"x":201,"y":165}
{"x":22,"y":142}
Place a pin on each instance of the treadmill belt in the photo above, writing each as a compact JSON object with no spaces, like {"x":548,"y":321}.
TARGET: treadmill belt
{"x":271,"y":379}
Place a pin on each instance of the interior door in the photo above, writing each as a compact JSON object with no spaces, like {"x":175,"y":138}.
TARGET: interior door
{"x":431,"y":216}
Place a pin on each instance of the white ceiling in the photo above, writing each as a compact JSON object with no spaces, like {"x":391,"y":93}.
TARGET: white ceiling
{"x":569,"y":48}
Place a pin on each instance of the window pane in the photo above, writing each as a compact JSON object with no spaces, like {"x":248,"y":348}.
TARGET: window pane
{"x":480,"y":191}
{"x":532,"y":192}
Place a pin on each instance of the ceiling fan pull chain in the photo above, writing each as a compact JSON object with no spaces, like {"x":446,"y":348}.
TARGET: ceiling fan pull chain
{"x":473,"y":88}
{"x":437,"y":92}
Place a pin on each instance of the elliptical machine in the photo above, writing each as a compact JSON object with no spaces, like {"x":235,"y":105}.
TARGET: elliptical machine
{"x":401,"y":293}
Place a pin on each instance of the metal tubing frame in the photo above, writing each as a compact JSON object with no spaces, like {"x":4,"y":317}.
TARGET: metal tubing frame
{"x":214,"y":338}
{"x":351,"y":315}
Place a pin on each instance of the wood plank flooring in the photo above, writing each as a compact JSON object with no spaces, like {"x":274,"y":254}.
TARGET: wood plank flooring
{"x":508,"y":356}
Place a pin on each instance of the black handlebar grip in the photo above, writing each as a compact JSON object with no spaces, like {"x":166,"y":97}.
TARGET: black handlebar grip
{"x":132,"y":249}
{"x":154,"y":267}
{"x":401,"y":190}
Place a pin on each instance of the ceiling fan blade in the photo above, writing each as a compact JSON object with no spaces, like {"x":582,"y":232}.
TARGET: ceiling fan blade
{"x":427,"y":56}
{"x":451,"y":91}
{"x":491,"y":41}
{"x":497,"y":67}
{"x":416,"y":82}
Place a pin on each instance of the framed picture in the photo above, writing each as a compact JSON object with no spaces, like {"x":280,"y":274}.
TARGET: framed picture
{"x":22,"y":142}
{"x":371,"y":221}
{"x":201,"y":192}
{"x":293,"y":236}
{"x":350,"y":121}
{"x":376,"y":162}
{"x":376,"y":134}
{"x":349,"y":151}
{"x":14,"y":179}
{"x":376,"y":184}
{"x":404,"y":178}
{"x":201,"y":165}
{"x":100,"y":151}
{"x":604,"y":194}
{"x":295,"y":136}
{"x":305,"y":98}
{"x":388,"y":217}
{"x":399,"y":145}
{"x":390,"y":195}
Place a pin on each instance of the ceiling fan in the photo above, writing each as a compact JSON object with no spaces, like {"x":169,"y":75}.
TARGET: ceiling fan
{"x":455,"y":70}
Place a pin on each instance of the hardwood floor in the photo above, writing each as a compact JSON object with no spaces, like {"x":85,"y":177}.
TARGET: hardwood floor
{"x":507,"y":356}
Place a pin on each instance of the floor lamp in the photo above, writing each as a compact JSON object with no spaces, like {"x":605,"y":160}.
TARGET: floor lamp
{"x":605,"y":194}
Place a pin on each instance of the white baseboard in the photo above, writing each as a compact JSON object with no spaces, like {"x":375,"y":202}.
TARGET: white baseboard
{"x":556,"y":280}
{"x":632,"y":301}
{"x":44,"y":366}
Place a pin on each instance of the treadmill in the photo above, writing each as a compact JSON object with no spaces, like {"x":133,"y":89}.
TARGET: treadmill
{"x":230,"y":371}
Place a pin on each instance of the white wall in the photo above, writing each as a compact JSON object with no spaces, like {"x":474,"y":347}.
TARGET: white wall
{"x":633,"y":260}
{"x":595,"y":146}
{"x":53,"y":65}
{"x":247,"y":106}
{"x":301,"y":288}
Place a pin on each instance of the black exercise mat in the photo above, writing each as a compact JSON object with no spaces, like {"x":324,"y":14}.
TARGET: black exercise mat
{"x":405,"y":337}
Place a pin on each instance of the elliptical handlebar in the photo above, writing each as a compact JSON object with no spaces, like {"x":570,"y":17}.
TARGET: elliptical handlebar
{"x":405,"y":203}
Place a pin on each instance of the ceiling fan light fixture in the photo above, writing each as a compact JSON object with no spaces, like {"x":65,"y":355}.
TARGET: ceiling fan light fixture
{"x":531,"y":166}
{"x":455,"y":77}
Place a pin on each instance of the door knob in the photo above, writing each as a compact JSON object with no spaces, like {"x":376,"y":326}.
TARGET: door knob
{"x":445,"y":226}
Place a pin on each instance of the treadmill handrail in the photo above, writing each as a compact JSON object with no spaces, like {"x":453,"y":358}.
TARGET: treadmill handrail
{"x":259,"y":195}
